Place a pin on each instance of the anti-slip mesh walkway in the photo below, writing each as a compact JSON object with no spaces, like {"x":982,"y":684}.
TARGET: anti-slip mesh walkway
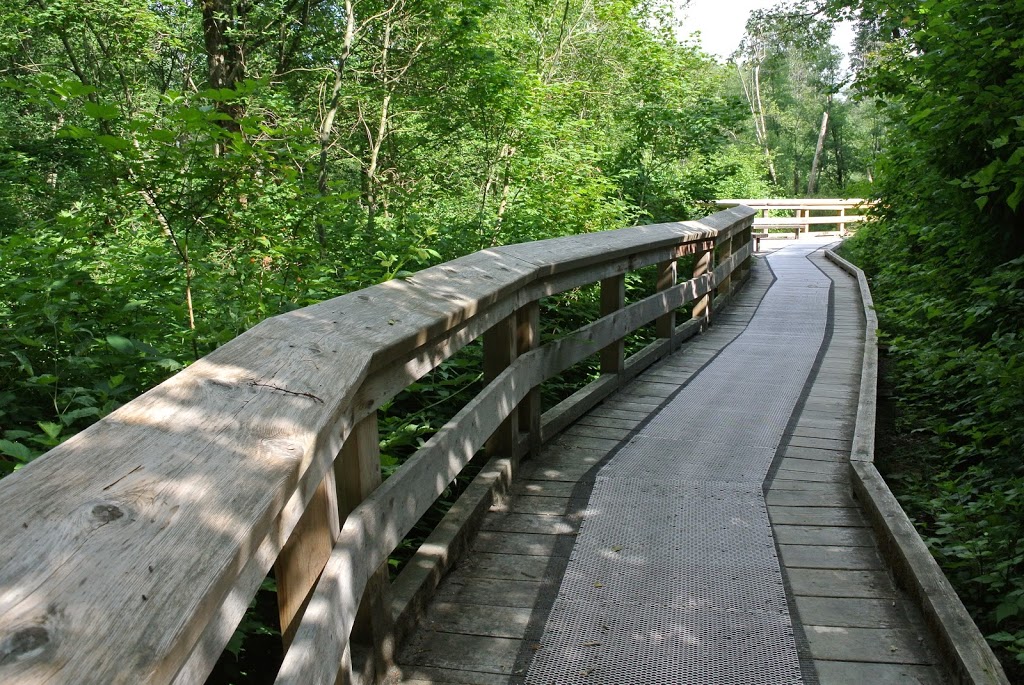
{"x":674,"y":576}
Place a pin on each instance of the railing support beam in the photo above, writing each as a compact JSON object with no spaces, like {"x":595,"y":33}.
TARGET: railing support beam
{"x":613,"y":298}
{"x":304,"y":556}
{"x":500,"y":348}
{"x":528,"y":338}
{"x":702,"y":307}
{"x":666,"y":324}
{"x":357,"y":471}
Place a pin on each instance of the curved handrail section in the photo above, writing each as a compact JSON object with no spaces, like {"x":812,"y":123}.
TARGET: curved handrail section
{"x":130,"y":552}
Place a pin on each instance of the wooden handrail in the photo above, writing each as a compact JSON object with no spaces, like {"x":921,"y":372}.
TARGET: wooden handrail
{"x":130,"y":552}
{"x":796,"y":203}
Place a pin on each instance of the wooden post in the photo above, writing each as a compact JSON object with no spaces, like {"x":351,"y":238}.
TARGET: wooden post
{"x":666,"y":323}
{"x":702,"y":307}
{"x":746,"y":236}
{"x":842,"y":225}
{"x":724,"y":252}
{"x":357,"y":472}
{"x":613,"y":298}
{"x":500,"y":342}
{"x":304,"y":556}
{"x":528,"y":338}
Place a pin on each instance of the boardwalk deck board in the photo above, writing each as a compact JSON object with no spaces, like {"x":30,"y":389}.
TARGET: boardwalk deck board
{"x":858,"y":626}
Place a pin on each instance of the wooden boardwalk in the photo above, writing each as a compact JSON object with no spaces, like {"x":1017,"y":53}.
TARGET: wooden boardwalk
{"x":852,"y":625}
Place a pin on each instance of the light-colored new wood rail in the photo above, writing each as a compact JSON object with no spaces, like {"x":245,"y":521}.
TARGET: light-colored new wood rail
{"x":130,"y":552}
{"x":801,"y":220}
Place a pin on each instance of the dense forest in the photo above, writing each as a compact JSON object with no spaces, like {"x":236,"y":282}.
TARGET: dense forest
{"x":171,"y":173}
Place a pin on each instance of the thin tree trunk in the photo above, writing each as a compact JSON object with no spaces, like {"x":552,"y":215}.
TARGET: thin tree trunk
{"x":225,"y":57}
{"x":327,"y":125}
{"x":837,"y":140}
{"x":764,"y":127}
{"x":812,"y":179}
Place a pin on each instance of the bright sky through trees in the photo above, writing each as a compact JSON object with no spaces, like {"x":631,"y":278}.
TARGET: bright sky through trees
{"x":721,"y":24}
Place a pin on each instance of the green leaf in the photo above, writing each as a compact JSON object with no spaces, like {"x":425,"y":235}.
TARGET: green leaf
{"x":16,"y":450}
{"x":26,"y":365}
{"x":51,"y":429}
{"x":1008,"y":609}
{"x":69,"y":417}
{"x":100,"y":111}
{"x":121,"y":344}
{"x":113,"y":143}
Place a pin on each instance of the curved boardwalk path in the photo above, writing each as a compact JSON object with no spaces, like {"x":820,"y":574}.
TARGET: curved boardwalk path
{"x":654,"y":542}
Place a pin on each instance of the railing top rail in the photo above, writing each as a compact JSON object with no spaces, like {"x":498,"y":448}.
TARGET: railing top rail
{"x":795,"y":203}
{"x":122,"y":544}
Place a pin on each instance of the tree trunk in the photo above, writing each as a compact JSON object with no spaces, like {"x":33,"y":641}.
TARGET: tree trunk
{"x":837,"y":140}
{"x":225,"y":57}
{"x":327,"y":125}
{"x":813,"y":178}
{"x":763,"y":125}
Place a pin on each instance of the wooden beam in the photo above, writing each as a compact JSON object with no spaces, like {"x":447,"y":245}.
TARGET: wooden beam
{"x":804,"y":220}
{"x":358,"y":474}
{"x":613,"y":298}
{"x":666,"y":278}
{"x":500,"y":349}
{"x":528,"y":339}
{"x":304,"y":556}
{"x":702,"y":307}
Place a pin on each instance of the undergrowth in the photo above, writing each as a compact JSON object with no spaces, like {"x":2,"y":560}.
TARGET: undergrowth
{"x":951,"y":305}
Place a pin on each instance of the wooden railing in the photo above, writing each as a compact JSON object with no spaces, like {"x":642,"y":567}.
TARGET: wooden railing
{"x":834,"y":212}
{"x":129,"y":553}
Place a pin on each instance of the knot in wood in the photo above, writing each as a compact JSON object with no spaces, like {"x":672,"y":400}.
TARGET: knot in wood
{"x":106,"y":513}
{"x":23,"y":643}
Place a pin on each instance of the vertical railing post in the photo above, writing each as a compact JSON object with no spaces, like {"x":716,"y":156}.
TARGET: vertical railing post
{"x":842,"y":224}
{"x":304,"y":556}
{"x":724,"y":253}
{"x":500,"y":344}
{"x":528,"y":338}
{"x":613,"y":298}
{"x":702,"y":306}
{"x":357,"y":471}
{"x":665,"y":325}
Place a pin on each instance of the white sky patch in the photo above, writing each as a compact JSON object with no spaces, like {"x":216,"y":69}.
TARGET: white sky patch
{"x":721,"y":24}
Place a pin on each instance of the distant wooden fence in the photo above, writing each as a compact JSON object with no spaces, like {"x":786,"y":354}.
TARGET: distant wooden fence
{"x":129,"y":553}
{"x":835,"y":212}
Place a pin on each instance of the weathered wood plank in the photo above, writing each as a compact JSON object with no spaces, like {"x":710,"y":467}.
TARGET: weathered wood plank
{"x":536,"y":505}
{"x":510,"y":522}
{"x":816,"y":516}
{"x":462,"y":652}
{"x":823,"y":535}
{"x":818,"y":556}
{"x":499,"y":592}
{"x":477,"y":619}
{"x":851,"y":612}
{"x":504,"y":566}
{"x":838,"y":583}
{"x":876,"y":645}
{"x":526,"y":544}
{"x":426,"y":675}
{"x":845,"y":672}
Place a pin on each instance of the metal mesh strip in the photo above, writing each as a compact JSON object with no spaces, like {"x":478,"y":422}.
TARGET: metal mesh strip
{"x":674,"y":576}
